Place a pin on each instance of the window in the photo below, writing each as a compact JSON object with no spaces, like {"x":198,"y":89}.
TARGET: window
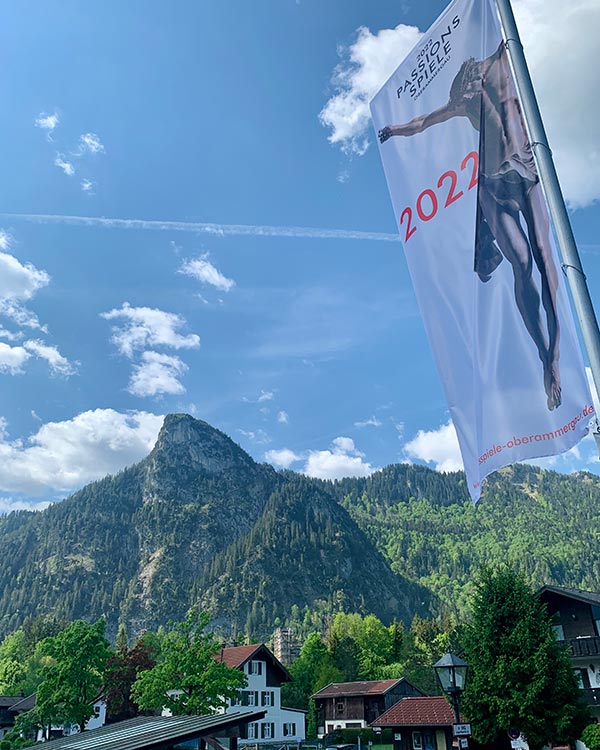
{"x":253,"y":731}
{"x":255,"y":667}
{"x":267,"y":730}
{"x":339,"y":708}
{"x":289,"y":729}
{"x":429,"y":741}
{"x":267,"y":698}
{"x":596,"y":616}
{"x":249,"y":697}
{"x":417,"y":741}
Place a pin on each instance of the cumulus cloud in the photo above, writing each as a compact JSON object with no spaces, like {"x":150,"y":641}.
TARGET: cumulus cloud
{"x":18,"y":283}
{"x":371,"y":422}
{"x":12,"y":358}
{"x":47,"y":122}
{"x":203,"y":270}
{"x":59,"y":365}
{"x":63,"y":456}
{"x":66,"y":166}
{"x":143,"y":327}
{"x":9,"y":335}
{"x":87,"y":186}
{"x":283,"y":417}
{"x":570,"y":119}
{"x":89,"y":143}
{"x":283,"y":458}
{"x":157,"y":374}
{"x":438,"y":447}
{"x":366,"y":65}
{"x":342,"y":460}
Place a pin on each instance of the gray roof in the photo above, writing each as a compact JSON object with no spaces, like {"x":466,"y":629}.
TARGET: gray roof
{"x":155,"y":732}
{"x":583,"y":596}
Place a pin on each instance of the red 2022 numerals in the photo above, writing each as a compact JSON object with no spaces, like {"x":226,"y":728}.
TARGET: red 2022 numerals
{"x":427,"y":203}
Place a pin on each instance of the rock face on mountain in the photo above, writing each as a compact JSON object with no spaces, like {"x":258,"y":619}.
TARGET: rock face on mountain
{"x":199,"y":522}
{"x":143,"y":546}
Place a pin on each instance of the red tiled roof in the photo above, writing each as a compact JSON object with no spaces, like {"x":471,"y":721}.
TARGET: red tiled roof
{"x":235,"y":656}
{"x":428,"y":711}
{"x":370,"y":687}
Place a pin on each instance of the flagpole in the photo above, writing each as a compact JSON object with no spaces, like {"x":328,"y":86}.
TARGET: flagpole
{"x":571,"y":262}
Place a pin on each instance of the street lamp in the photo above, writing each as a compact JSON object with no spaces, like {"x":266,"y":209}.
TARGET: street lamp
{"x":452,"y":674}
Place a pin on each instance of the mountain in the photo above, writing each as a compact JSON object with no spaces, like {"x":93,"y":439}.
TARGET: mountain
{"x":139,"y":547}
{"x":200,"y":522}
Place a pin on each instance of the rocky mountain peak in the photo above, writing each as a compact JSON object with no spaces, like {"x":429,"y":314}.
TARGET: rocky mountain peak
{"x":192,"y":443}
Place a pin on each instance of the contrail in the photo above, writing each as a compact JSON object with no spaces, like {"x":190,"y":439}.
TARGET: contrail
{"x":203,"y":227}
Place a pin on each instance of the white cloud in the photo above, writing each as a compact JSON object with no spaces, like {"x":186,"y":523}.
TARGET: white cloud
{"x":265,"y":396}
{"x":256,"y":436}
{"x":47,"y":123}
{"x":66,"y":166}
{"x":9,"y":335}
{"x":343,"y":460}
{"x":366,"y":65}
{"x":203,"y":270}
{"x":439,"y":447}
{"x":146,"y":326}
{"x":371,"y":422}
{"x":12,"y":358}
{"x":62,"y":456}
{"x":18,"y":283}
{"x":283,"y":417}
{"x":571,"y":118}
{"x":59,"y":365}
{"x":157,"y":374}
{"x":87,"y":186}
{"x":283,"y":458}
{"x":89,"y":143}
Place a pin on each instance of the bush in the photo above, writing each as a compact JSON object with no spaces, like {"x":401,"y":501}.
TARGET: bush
{"x":591,"y":736}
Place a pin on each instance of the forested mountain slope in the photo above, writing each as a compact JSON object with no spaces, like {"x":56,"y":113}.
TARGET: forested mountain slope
{"x":199,"y":522}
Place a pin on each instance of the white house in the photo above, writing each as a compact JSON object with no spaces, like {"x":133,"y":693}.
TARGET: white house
{"x":265,"y":675}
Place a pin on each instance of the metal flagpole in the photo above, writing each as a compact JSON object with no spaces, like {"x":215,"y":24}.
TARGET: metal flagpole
{"x":571,"y":262}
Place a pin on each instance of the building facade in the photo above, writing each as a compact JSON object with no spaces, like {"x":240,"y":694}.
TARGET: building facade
{"x":265,"y":675}
{"x":577,"y":623}
{"x":355,"y":705}
{"x":423,"y":723}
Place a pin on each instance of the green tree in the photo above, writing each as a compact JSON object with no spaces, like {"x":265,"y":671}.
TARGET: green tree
{"x":520,"y":676}
{"x":591,"y":736}
{"x":312,"y":670}
{"x":74,"y":673}
{"x":187,"y":678}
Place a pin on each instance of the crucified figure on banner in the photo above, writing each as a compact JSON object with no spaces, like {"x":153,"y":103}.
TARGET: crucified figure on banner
{"x":509,"y":187}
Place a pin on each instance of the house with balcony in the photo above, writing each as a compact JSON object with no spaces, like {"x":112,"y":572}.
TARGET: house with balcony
{"x":355,"y":705}
{"x":577,"y":623}
{"x":265,"y":676}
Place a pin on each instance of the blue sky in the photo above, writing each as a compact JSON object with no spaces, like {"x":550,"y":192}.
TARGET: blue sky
{"x":252,"y":278}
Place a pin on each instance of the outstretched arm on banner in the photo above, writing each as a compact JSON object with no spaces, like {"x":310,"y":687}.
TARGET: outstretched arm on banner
{"x":421,"y":123}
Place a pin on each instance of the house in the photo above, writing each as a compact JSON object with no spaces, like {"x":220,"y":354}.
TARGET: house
{"x":22,"y":705}
{"x":354,"y":705}
{"x":7,"y":718}
{"x":577,"y":623}
{"x":422,"y":723}
{"x":265,"y":676}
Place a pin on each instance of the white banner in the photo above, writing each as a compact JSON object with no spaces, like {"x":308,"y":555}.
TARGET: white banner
{"x":476,"y":234}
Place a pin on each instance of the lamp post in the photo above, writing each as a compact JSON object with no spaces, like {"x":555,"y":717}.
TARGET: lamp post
{"x":452,"y":671}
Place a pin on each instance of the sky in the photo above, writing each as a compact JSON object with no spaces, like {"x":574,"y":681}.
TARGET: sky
{"x":194,"y":218}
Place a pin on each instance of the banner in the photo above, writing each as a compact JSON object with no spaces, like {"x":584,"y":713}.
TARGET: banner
{"x":475,"y":228}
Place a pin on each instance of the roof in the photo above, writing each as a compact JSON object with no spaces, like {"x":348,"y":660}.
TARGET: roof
{"x":6,"y":701}
{"x":23,"y":704}
{"x":583,"y":596}
{"x":237,"y":656}
{"x":427,"y":711}
{"x":152,"y":732}
{"x":366,"y":687}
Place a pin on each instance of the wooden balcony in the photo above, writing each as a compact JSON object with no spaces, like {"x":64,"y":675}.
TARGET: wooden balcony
{"x":585,"y":646}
